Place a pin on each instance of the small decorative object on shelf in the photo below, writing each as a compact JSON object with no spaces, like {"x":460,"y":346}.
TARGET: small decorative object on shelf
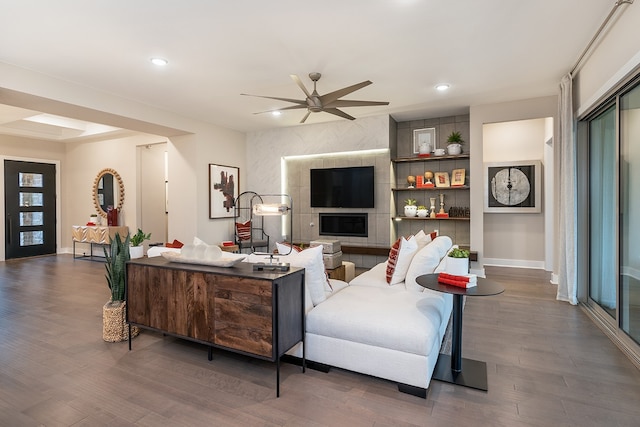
{"x":442,"y":179}
{"x":454,"y":143}
{"x":410,"y":208}
{"x":422,"y":211}
{"x":432,"y":209}
{"x":458,"y":212}
{"x":411,"y":181}
{"x":428,"y":176}
{"x":441,"y":213}
{"x":457,"y":177}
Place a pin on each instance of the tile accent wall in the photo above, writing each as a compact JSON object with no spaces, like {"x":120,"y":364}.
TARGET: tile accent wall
{"x":298,"y":186}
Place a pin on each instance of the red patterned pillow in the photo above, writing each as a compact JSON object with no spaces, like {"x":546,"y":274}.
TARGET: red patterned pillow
{"x":399,"y":260}
{"x":243,"y":230}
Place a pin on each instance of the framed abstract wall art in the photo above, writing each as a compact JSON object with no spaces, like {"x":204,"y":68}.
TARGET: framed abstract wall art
{"x":224,"y":185}
{"x":513,"y":187}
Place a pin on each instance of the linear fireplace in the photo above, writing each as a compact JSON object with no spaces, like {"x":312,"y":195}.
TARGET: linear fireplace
{"x":344,"y":224}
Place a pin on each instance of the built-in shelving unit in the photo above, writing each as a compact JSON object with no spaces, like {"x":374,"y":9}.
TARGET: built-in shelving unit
{"x":457,"y":227}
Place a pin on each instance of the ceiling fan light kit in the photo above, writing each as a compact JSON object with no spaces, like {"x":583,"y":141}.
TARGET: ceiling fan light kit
{"x":328,"y":103}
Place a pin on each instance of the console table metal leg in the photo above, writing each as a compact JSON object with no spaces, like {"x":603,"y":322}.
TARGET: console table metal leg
{"x":278,"y":377}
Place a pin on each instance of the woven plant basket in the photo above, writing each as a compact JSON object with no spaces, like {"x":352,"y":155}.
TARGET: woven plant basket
{"x":114,"y":326}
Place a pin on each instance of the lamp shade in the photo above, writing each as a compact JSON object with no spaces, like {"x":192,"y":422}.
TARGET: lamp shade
{"x":269,"y":209}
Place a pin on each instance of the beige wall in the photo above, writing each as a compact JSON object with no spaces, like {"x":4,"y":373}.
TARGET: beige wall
{"x":480,"y":115}
{"x":192,"y":145}
{"x":83,"y":162}
{"x":514,"y":239}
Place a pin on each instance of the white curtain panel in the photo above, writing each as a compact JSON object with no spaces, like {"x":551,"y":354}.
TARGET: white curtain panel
{"x":567,"y":226}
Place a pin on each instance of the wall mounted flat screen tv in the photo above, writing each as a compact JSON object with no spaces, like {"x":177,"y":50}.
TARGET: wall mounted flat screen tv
{"x":351,"y":187}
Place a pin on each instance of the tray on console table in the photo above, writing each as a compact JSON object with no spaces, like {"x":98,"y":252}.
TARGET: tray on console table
{"x":256,"y":313}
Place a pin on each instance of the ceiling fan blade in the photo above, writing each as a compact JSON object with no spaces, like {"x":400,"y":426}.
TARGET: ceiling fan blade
{"x":338,"y":113}
{"x":300,"y":84}
{"x":332,"y":96}
{"x":293,"y":107}
{"x":350,"y":103}
{"x":295,"y":101}
{"x":305,"y":117}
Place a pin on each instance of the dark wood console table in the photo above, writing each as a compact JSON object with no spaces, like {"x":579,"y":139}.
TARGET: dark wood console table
{"x":256,"y":313}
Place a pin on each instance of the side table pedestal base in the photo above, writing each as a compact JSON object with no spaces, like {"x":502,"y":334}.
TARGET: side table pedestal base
{"x":473,"y":373}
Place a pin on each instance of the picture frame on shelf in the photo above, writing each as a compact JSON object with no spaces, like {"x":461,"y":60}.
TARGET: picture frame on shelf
{"x":513,"y":187}
{"x":224,"y":185}
{"x":458,"y":177}
{"x":426,"y":135}
{"x":442,"y":179}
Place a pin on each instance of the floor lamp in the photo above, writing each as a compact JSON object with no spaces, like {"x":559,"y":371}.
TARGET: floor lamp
{"x":282,"y":208}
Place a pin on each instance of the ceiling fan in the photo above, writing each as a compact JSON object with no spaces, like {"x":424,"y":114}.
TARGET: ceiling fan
{"x":328,"y":103}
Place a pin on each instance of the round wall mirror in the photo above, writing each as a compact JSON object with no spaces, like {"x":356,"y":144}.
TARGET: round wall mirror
{"x":108,"y":190}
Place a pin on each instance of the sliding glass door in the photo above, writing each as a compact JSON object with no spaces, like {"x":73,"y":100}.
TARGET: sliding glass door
{"x":614,"y":214}
{"x":630,"y":213}
{"x":603,"y":210}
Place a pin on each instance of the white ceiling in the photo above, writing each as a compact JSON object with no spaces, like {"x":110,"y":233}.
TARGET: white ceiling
{"x":488,"y":50}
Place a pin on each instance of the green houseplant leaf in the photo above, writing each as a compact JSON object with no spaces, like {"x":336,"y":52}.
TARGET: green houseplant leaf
{"x":139,"y":237}
{"x":116,"y":258}
{"x":455,"y":138}
{"x":459,"y":253}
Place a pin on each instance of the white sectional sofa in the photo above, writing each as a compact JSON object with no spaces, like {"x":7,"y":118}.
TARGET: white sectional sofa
{"x":371,"y":327}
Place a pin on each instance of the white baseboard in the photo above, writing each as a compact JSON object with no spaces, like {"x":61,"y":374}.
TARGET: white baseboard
{"x":517,"y":263}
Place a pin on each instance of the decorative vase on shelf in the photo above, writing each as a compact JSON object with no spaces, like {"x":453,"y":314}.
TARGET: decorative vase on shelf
{"x":424,"y":148}
{"x":454,"y":149}
{"x":422,"y":212}
{"x":410,"y":208}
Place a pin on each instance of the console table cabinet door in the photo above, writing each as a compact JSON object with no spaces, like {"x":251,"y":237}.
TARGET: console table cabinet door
{"x":244,"y":315}
{"x":174,"y":301}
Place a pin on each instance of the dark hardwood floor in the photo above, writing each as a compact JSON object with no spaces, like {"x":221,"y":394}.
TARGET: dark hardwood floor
{"x":548,"y":365}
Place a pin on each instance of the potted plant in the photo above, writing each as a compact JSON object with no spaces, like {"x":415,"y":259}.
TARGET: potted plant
{"x":137,"y":250}
{"x":454,"y":143}
{"x":457,"y":262}
{"x":422,"y":211}
{"x":410,"y":208}
{"x":114,"y":327}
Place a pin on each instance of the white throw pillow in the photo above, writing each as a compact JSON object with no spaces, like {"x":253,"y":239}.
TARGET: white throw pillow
{"x":426,"y":261}
{"x":399,"y":260}
{"x":315,"y":279}
{"x":423,"y":239}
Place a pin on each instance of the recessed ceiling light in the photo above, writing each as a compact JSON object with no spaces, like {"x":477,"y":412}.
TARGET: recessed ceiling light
{"x":160,"y":62}
{"x":275,"y":113}
{"x":442,"y":87}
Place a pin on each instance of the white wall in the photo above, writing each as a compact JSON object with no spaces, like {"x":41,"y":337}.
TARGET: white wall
{"x":492,"y":113}
{"x":614,"y":56}
{"x":515,"y":239}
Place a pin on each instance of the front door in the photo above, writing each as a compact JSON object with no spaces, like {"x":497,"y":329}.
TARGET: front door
{"x":30,"y":209}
